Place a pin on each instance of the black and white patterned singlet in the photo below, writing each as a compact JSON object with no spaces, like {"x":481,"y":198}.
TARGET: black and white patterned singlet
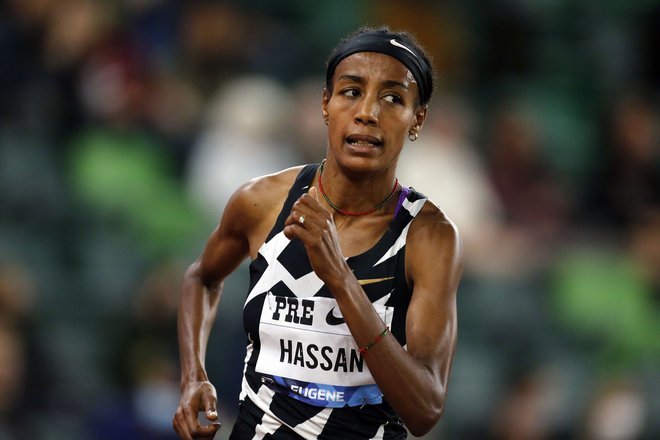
{"x":304,"y":377}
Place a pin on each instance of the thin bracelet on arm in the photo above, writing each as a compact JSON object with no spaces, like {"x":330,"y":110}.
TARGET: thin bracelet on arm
{"x":374,"y":342}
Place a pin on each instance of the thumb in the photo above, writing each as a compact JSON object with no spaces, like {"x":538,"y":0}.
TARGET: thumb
{"x":211,"y":411}
{"x":314,"y":193}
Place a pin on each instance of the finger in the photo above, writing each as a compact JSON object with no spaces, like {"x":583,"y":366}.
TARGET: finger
{"x":183,"y":433}
{"x":210,"y":406}
{"x":198,"y":430}
{"x":294,"y":219}
{"x":293,"y":230}
{"x":311,"y":200}
{"x":190,"y":418}
{"x":181,"y":427}
{"x":314,"y":193}
{"x":206,"y":431}
{"x":308,"y":233}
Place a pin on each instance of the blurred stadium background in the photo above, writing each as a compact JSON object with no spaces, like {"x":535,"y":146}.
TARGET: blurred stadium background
{"x":125,"y":125}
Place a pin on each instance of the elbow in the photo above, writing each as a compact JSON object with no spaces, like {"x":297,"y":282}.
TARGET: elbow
{"x":424,"y":421}
{"x":420,"y":421}
{"x":195,"y":276}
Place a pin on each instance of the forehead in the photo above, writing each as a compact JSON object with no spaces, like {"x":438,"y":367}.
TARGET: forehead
{"x":376,"y":66}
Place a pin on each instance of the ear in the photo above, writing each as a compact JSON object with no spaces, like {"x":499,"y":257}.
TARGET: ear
{"x":325,"y":100}
{"x":324,"y":105}
{"x":420,"y":117}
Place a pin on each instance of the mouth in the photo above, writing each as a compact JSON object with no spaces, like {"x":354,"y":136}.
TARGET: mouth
{"x":363,"y":141}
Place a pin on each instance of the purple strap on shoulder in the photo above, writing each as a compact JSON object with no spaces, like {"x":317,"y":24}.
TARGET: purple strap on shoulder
{"x":402,"y":196}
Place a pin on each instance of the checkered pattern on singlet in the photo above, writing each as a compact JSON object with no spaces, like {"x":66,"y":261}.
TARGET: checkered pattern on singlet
{"x":303,"y":377}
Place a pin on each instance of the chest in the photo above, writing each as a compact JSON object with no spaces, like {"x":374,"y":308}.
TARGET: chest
{"x":357,"y":235}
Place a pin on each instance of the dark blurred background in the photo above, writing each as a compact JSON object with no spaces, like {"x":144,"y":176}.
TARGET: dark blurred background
{"x":125,"y":125}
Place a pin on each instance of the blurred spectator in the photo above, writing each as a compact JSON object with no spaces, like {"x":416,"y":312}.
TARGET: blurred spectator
{"x":13,"y":366}
{"x":528,"y":410}
{"x":17,"y":294}
{"x":645,"y":247}
{"x":17,"y":299}
{"x":309,"y":130}
{"x":119,"y":89}
{"x":144,"y":364}
{"x":535,"y":207}
{"x":627,"y":173}
{"x":617,"y":411}
{"x":247,"y":134}
{"x":215,"y":38}
{"x":530,"y":194}
{"x":72,"y":30}
{"x":437,"y":26}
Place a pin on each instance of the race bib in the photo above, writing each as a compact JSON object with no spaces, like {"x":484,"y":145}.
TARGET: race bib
{"x":307,"y":349}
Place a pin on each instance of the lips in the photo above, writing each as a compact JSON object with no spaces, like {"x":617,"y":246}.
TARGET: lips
{"x":363,"y":140}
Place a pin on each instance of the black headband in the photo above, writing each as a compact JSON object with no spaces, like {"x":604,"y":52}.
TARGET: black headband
{"x":386,"y":43}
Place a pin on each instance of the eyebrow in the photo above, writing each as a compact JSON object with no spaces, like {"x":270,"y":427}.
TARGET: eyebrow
{"x":359,"y":79}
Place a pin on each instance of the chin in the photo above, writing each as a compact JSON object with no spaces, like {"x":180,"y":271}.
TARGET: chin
{"x":365,"y":163}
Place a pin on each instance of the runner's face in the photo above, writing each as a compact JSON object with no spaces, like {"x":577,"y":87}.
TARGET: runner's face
{"x":372,"y":108}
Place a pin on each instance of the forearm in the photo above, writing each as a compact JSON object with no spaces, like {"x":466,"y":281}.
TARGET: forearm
{"x":197,"y":311}
{"x":415,"y":392}
{"x":413,"y":388}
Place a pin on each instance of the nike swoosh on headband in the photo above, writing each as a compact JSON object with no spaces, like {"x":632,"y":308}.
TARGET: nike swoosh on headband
{"x":393,"y":42}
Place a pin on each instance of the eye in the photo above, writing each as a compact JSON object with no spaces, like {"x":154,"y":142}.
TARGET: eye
{"x":393,"y":99}
{"x":350,"y":93}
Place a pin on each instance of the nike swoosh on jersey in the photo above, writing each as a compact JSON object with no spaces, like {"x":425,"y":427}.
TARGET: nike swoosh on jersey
{"x":331,"y":319}
{"x":373,"y":280}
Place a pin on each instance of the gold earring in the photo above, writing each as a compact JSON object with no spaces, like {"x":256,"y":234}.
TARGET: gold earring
{"x":412,"y":136}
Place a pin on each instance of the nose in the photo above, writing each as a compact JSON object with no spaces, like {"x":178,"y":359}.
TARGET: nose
{"x":367,"y":111}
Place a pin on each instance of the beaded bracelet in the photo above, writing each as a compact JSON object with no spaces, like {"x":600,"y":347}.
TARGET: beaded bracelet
{"x":374,"y":342}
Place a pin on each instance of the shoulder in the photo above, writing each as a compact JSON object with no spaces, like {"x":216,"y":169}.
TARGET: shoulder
{"x":434,"y":240}
{"x":432,"y":223}
{"x":246,"y":220}
{"x":263,"y":193}
{"x":253,"y":208}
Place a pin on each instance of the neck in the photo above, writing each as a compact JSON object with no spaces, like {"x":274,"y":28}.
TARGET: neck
{"x":362,"y":199}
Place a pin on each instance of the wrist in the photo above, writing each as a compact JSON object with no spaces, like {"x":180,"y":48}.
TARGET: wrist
{"x":192,"y":378}
{"x":341,"y":280}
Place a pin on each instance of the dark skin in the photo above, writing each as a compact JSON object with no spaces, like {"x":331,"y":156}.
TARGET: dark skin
{"x":371,"y":109}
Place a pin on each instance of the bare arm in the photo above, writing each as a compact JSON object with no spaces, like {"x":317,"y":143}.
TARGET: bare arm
{"x":200,"y":294}
{"x":247,"y":218}
{"x":413,"y":381}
